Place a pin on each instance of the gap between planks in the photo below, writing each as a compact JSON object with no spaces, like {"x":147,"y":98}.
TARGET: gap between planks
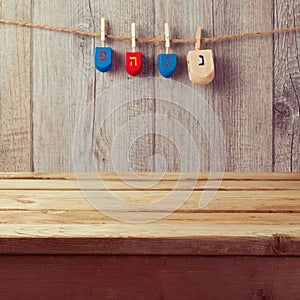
{"x":163,"y":185}
{"x":168,"y":176}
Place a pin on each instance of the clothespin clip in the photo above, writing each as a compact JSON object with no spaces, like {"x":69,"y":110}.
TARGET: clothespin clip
{"x":103,"y":55}
{"x":200,"y":63}
{"x":134,"y":60}
{"x":167,"y":62}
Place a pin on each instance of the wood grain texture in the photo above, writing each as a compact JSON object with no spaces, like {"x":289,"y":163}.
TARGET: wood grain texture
{"x":148,"y":277}
{"x":287,"y":88}
{"x":63,"y":81}
{"x":225,"y":201}
{"x":247,"y":216}
{"x":242,"y":95}
{"x":170,"y":152}
{"x":77,"y":86}
{"x":140,"y":153}
{"x":15,"y":89}
{"x":50,"y":84}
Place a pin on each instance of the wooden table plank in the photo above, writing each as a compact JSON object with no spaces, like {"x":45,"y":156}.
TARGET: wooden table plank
{"x":240,"y":201}
{"x":215,"y":240}
{"x":250,"y":215}
{"x":175,"y":219}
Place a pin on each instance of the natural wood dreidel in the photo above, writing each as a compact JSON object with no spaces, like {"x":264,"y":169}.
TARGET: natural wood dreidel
{"x":200,"y":63}
{"x":245,"y":244}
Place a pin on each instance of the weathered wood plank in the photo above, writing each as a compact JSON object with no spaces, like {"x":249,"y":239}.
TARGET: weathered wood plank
{"x":63,"y":81}
{"x":287,"y":88}
{"x":242,"y":95}
{"x":15,"y":89}
{"x":185,"y":220}
{"x":225,"y":201}
{"x":189,"y":15}
{"x":223,"y":245}
{"x":230,"y":241}
{"x":107,"y":155}
{"x":151,"y":230}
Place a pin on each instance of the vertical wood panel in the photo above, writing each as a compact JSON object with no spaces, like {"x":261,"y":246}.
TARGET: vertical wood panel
{"x":15,"y":90}
{"x":60,"y":100}
{"x":243,"y":84}
{"x":287,"y":88}
{"x":63,"y":81}
{"x":183,"y":18}
{"x":120,"y":15}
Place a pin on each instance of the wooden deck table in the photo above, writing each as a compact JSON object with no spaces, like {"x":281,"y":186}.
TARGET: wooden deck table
{"x":245,"y":244}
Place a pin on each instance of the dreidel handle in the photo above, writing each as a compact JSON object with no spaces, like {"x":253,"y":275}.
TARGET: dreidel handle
{"x":133,"y":38}
{"x":167,"y":38}
{"x":198,"y":38}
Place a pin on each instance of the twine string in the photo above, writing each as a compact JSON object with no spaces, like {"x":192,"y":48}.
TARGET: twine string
{"x":149,"y":40}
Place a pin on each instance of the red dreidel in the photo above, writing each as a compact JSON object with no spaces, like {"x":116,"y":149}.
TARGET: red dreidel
{"x":134,"y":60}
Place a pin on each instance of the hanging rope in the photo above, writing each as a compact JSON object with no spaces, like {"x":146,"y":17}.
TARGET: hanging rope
{"x":150,"y":40}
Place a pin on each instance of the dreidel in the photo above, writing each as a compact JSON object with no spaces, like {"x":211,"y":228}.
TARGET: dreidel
{"x":134,"y":60}
{"x":167,"y":62}
{"x":200,"y":63}
{"x":103,"y":55}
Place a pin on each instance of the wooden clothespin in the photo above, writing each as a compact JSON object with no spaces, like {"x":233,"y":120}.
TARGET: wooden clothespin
{"x":167,"y":37}
{"x":167,"y":62}
{"x":200,"y":63}
{"x":103,"y":55}
{"x":134,"y":60}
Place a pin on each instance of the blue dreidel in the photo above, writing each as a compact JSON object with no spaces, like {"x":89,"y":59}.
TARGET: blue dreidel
{"x":103,"y":59}
{"x":167,"y":62}
{"x":103,"y":55}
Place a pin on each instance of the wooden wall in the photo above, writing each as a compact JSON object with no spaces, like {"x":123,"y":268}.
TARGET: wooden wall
{"x":48,"y":78}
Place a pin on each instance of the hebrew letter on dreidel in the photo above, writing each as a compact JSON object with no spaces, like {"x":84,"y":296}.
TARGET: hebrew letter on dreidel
{"x":133,"y":59}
